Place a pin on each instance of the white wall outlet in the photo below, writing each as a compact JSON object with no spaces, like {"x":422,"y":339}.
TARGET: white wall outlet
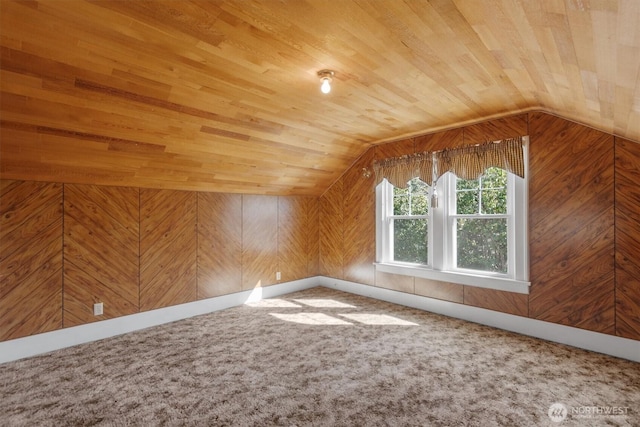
{"x":278,"y":275}
{"x":98,"y":309}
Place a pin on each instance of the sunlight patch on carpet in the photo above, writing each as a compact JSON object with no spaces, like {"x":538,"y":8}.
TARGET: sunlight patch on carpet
{"x":377,"y":319}
{"x":310,"y":318}
{"x":324,"y":303}
{"x":274,"y":303}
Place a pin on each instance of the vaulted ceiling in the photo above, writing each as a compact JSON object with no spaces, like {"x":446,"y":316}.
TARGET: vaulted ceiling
{"x":224,"y":95}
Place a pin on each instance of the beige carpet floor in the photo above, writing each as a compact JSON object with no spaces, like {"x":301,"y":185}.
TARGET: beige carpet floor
{"x":319,"y":358}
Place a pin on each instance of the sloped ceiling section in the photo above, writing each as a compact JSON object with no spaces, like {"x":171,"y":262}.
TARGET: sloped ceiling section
{"x":224,"y":95}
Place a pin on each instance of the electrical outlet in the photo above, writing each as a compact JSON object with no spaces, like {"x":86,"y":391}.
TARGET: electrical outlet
{"x":278,"y":275}
{"x":98,"y":309}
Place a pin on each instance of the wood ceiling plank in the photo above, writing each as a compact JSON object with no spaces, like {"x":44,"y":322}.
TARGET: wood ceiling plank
{"x":235,"y":84}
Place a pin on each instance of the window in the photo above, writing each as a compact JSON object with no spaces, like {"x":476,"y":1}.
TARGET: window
{"x":472,"y":232}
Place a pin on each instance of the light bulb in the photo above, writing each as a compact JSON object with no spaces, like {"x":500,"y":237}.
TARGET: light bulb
{"x":325,"y":87}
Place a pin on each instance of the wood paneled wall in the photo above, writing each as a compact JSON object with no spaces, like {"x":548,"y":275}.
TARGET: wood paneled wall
{"x":140,"y":249}
{"x":219,"y":244}
{"x":583,"y":225}
{"x":30,"y":258}
{"x":101,"y":243}
{"x":627,"y":158}
{"x":168,"y":249}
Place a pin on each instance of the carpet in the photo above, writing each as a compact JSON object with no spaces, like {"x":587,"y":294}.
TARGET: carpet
{"x":320,"y":357}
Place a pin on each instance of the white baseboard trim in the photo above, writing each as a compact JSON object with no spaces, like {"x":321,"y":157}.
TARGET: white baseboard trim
{"x":49,"y":341}
{"x":56,"y":340}
{"x":594,"y":341}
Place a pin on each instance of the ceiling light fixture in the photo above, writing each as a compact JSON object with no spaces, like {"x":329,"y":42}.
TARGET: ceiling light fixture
{"x":325,"y":77}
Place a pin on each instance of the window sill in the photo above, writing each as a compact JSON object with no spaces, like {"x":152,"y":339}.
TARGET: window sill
{"x":498,"y":283}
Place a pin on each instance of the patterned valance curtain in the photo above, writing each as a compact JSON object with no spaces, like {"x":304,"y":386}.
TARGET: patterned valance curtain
{"x":466,"y":162}
{"x":400,"y":170}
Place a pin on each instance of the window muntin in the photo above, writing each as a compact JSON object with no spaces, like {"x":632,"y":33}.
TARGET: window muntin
{"x":481,"y":223}
{"x":445,"y":224}
{"x":409,"y":223}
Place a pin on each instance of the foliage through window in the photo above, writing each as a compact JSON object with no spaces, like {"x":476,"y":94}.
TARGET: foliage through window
{"x":477,"y":228}
{"x":481,"y":222}
{"x":410,"y":222}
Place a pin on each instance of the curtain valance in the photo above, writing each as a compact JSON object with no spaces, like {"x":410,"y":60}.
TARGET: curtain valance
{"x":468,"y":162}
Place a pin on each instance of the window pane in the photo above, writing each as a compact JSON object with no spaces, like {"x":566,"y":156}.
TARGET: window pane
{"x":494,"y":201}
{"x":494,"y":178}
{"x":482,"y":244}
{"x":494,"y":191}
{"x":413,"y":200}
{"x":400,"y":201}
{"x":467,"y":202}
{"x":410,"y":240}
{"x":419,"y":197}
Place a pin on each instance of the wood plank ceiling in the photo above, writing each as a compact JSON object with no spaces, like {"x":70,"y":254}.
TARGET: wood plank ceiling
{"x":224,"y":95}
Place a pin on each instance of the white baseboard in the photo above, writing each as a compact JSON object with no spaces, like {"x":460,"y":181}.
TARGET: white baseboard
{"x":55,"y":340}
{"x":49,"y":341}
{"x":594,"y":341}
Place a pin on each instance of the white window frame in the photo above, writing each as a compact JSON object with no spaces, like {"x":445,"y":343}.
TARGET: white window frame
{"x":441,"y":237}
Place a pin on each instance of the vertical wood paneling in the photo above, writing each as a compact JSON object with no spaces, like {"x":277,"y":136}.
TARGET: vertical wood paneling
{"x":259,"y":241}
{"x":293,"y":237}
{"x":101,"y":252}
{"x":331,"y":232}
{"x":219,"y":244}
{"x":360,"y":222}
{"x":167,"y":248}
{"x":627,"y":195}
{"x":313,"y":236}
{"x":572,"y":224}
{"x":30,"y":258}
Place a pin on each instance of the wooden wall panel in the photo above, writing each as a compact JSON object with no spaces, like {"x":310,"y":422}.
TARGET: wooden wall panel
{"x":167,"y":248}
{"x":101,"y":252}
{"x":30,"y":258}
{"x":331,"y":231}
{"x":627,"y":193}
{"x":259,"y":241}
{"x":440,"y":290}
{"x":439,"y":141}
{"x":219,"y":244}
{"x":492,"y":299}
{"x":313,"y":236}
{"x":493,"y":130}
{"x":360,"y":222}
{"x":293,"y":239}
{"x":395,"y":282}
{"x":571,"y":224}
{"x":394,"y":149}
